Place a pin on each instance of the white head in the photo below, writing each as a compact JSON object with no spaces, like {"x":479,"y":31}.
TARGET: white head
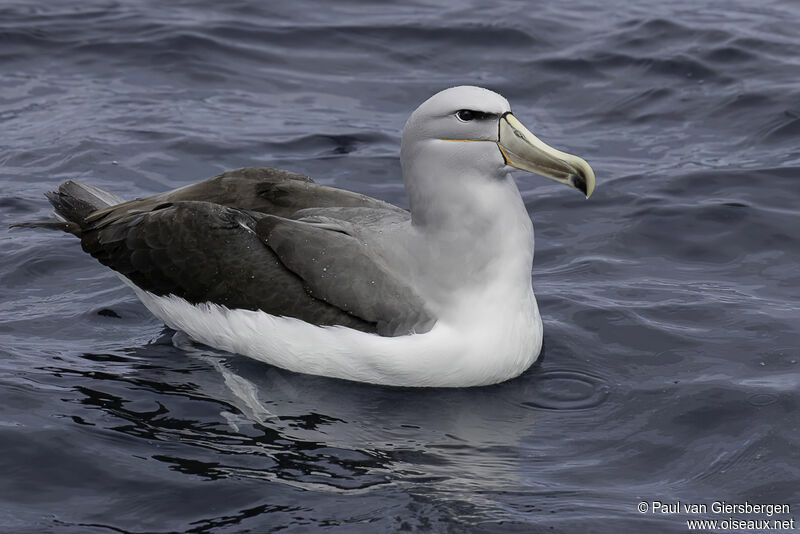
{"x":467,"y":134}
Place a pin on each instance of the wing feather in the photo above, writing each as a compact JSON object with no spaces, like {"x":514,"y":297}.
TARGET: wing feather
{"x":205,"y":252}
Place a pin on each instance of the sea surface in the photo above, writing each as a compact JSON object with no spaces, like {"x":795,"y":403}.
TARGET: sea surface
{"x":670,"y":299}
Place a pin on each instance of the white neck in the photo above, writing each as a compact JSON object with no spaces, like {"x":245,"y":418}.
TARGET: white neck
{"x":473,"y":238}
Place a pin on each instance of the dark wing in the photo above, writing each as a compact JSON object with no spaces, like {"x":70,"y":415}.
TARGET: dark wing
{"x":231,"y":240}
{"x":341,"y":269}
{"x":206,"y":252}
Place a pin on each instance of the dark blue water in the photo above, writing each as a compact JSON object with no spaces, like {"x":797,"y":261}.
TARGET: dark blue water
{"x":670,"y":299}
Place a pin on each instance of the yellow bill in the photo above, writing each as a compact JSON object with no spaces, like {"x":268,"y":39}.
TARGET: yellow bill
{"x":523,"y":150}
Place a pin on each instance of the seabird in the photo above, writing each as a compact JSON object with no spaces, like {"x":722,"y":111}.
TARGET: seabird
{"x":266,"y":263}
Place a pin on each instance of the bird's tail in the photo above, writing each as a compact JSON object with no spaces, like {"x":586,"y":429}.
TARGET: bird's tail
{"x":72,"y":204}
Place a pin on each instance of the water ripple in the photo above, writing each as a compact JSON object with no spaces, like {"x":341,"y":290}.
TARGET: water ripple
{"x":567,"y":390}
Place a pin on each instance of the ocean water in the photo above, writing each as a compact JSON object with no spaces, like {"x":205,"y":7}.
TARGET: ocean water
{"x":670,"y":299}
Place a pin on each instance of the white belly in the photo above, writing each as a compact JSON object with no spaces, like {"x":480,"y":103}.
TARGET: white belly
{"x":481,"y":349}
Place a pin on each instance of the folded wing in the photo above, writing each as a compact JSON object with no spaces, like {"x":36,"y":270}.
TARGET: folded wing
{"x":245,"y":240}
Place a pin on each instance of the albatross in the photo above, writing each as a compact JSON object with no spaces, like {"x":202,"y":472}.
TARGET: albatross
{"x":266,"y":263}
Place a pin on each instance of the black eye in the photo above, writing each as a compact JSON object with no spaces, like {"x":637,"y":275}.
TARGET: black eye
{"x":465,"y":115}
